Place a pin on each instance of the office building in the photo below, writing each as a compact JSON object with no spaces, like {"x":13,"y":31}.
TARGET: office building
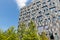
{"x":45,"y":13}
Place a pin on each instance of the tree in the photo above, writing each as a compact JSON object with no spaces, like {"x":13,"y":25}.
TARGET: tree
{"x":10,"y":34}
{"x":2,"y":36}
{"x":21,"y":30}
{"x":43,"y":36}
{"x":31,"y":32}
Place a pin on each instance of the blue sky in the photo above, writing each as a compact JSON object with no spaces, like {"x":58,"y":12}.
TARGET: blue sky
{"x":9,"y":13}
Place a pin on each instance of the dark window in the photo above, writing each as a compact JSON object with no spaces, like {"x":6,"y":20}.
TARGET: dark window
{"x":54,"y":17}
{"x":26,"y":20}
{"x":45,"y":19}
{"x":50,"y":4}
{"x":23,"y":17}
{"x":59,"y":0}
{"x":40,"y":12}
{"x":45,"y":6}
{"x":34,"y":4}
{"x":28,"y":12}
{"x":21,"y":11}
{"x":47,"y":14}
{"x":32,"y":8}
{"x":41,"y":20}
{"x":32,"y":14}
{"x":37,"y":5}
{"x":28,"y":9}
{"x":44,"y":3}
{"x":56,"y":11}
{"x":48,"y":18}
{"x":28,"y":16}
{"x":39,"y":16}
{"x":44,"y":10}
{"x":37,"y":2}
{"x":59,"y":10}
{"x":52,"y":7}
{"x":33,"y":18}
{"x":53,"y":3}
{"x":24,"y":14}
{"x":19,"y":18}
{"x":37,"y":9}
{"x":48,"y":0}
{"x":59,"y":17}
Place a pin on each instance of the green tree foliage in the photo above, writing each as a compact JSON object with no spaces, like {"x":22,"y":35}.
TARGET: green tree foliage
{"x":23,"y":33}
{"x":21,"y":30}
{"x":43,"y":36}
{"x":31,"y":32}
{"x":10,"y":34}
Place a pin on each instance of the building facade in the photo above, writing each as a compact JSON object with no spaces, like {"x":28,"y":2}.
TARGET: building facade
{"x":43,"y":13}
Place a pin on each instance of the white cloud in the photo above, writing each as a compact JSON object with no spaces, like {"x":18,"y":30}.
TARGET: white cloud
{"x":21,"y":3}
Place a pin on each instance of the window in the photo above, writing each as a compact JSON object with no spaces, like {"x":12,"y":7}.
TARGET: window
{"x":41,"y":20}
{"x":33,"y":18}
{"x":59,"y":17}
{"x":50,"y":4}
{"x":23,"y":17}
{"x":37,"y":5}
{"x":33,"y":3}
{"x":37,"y":2}
{"x":40,"y":12}
{"x":32,"y":8}
{"x":39,"y":16}
{"x":47,"y":14}
{"x":28,"y":9}
{"x":28,"y":16}
{"x":46,"y":9}
{"x":59,"y":0}
{"x":37,"y":9}
{"x":32,"y":14}
{"x":19,"y":19}
{"x":54,"y":18}
{"x":48,"y":18}
{"x":24,"y":14}
{"x":26,"y":20}
{"x":56,"y":11}
{"x":21,"y":11}
{"x":44,"y":3}
{"x":28,"y":12}
{"x":48,"y":0}
{"x":45,"y":20}
{"x":52,"y":7}
{"x":45,"y":6}
{"x":53,"y":3}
